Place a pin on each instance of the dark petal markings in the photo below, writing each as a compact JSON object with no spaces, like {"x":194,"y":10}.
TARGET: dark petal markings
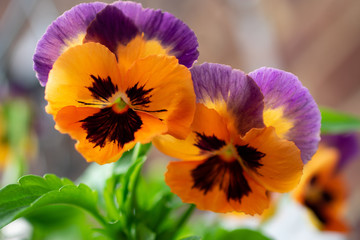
{"x":110,"y":28}
{"x":318,"y":205}
{"x":208,"y":143}
{"x":109,"y":126}
{"x":250,"y":156}
{"x":317,"y":208}
{"x":102,"y":88}
{"x":140,"y":97}
{"x":228,"y":176}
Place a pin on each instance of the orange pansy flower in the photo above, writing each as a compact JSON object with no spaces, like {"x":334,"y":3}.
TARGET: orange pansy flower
{"x":232,"y":157}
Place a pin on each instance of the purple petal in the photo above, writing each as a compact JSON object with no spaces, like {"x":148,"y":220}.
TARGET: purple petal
{"x":346,"y":143}
{"x":283,"y":89}
{"x":162,"y":26}
{"x":60,"y":34}
{"x":219,"y":83}
{"x":111,"y":27}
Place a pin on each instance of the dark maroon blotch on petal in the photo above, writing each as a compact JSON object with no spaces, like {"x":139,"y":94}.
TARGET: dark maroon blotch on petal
{"x":164,"y":27}
{"x":111,"y":28}
{"x":107,"y":126}
{"x":138,"y":95}
{"x":208,"y":143}
{"x":102,"y":89}
{"x":250,"y":156}
{"x":227,"y":176}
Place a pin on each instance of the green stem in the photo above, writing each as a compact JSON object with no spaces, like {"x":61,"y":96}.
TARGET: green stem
{"x":186,"y":215}
{"x":134,"y":186}
{"x":111,"y":208}
{"x":99,"y":218}
{"x":136,"y":152}
{"x":180,"y":223}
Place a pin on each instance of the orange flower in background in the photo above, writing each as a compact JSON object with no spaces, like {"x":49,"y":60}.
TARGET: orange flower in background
{"x":322,"y":190}
{"x":18,"y":140}
{"x":118,"y":76}
{"x":233,"y":156}
{"x":4,"y":145}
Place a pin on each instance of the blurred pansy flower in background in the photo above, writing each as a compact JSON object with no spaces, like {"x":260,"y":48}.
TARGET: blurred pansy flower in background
{"x":323,"y":188}
{"x":251,"y":134}
{"x":4,"y":143}
{"x":18,"y":140}
{"x":116,"y":75}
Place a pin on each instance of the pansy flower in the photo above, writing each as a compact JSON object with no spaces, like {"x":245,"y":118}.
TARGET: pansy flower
{"x":322,"y":189}
{"x":15,"y":114}
{"x":250,"y":135}
{"x":116,"y":75}
{"x":4,"y":145}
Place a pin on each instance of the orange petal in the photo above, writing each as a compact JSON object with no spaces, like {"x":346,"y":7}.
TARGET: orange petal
{"x":206,"y":121}
{"x":179,"y":179}
{"x":334,"y":211}
{"x":336,"y":224}
{"x":70,"y":77}
{"x":170,"y":91}
{"x":68,"y":121}
{"x":151,"y":127}
{"x":111,"y":152}
{"x":209,"y":122}
{"x":136,"y":49}
{"x":181,"y":149}
{"x":281,"y":168}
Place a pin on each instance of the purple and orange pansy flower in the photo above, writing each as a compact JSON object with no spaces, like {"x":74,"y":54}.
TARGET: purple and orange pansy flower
{"x":116,"y":75}
{"x":119,"y":74}
{"x":323,"y":189}
{"x":251,"y":135}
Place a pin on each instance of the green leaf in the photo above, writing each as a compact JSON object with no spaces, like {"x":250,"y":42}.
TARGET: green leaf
{"x":144,"y":233}
{"x":107,"y":178}
{"x":337,"y":122}
{"x":60,"y":222}
{"x":158,"y":212}
{"x":191,"y":238}
{"x":96,"y":176}
{"x":236,"y":234}
{"x":144,"y":149}
{"x":130,"y":177}
{"x":126,"y":194}
{"x":32,"y":192}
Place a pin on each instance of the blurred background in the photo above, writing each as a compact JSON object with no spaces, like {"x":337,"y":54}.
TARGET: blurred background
{"x":319,"y":41}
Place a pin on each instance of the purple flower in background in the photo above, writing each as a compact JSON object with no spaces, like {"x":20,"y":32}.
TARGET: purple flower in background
{"x":346,"y":143}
